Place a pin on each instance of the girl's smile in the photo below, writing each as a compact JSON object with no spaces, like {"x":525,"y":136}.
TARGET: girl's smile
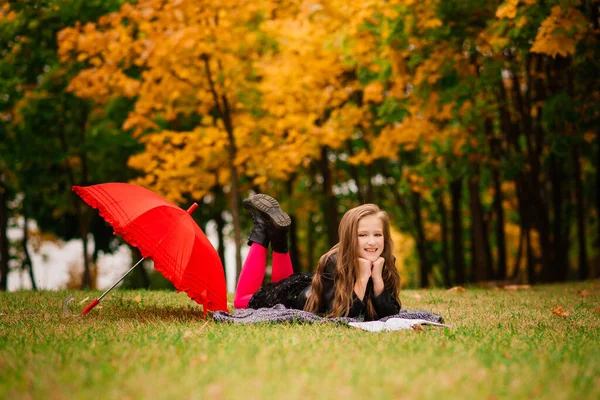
{"x":370,"y":237}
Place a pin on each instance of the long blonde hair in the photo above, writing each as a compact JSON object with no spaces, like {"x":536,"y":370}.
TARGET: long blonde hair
{"x":347,"y":267}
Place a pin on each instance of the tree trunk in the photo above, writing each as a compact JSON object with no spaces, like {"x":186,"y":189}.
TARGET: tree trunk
{"x":361,"y":191}
{"x":421,"y":241}
{"x":27,"y":263}
{"x":310,"y":244}
{"x":499,"y":212}
{"x":3,"y":233}
{"x":331,"y":216}
{"x":580,"y":207}
{"x":481,"y":256}
{"x":445,"y":250}
{"x":559,"y":270}
{"x":598,"y":190}
{"x":457,"y":235}
{"x":531,"y":277}
{"x":222,"y":106}
{"x":220,"y":222}
{"x":220,"y":236}
{"x":294,"y":255}
{"x":86,"y":281}
{"x":234,"y":197}
{"x":517,"y":265}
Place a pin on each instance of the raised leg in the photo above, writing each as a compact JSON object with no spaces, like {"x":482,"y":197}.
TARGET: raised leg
{"x":282,"y":266}
{"x":252,"y":275}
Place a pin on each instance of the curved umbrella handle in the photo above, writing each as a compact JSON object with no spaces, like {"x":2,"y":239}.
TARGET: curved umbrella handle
{"x":90,"y":306}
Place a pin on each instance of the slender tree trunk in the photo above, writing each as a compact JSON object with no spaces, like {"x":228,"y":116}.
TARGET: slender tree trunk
{"x":531,"y":278}
{"x":598,"y":190}
{"x":234,"y":197}
{"x":310,"y":244}
{"x":445,"y":250}
{"x":82,"y":220}
{"x":580,"y":207}
{"x":294,"y":255}
{"x":370,"y":196}
{"x":222,"y":105}
{"x":3,"y":233}
{"x":457,"y":235}
{"x":27,"y":263}
{"x":421,"y":241}
{"x":143,"y":278}
{"x":220,"y":222}
{"x":361,"y":190}
{"x":86,"y":282}
{"x":331,"y":216}
{"x":517,"y":265}
{"x":481,"y":257}
{"x":559,"y":271}
{"x":499,"y":212}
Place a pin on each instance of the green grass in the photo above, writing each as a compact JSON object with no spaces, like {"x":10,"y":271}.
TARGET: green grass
{"x":504,"y":344}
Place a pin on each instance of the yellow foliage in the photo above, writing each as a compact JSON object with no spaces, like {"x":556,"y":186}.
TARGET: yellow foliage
{"x":403,"y":248}
{"x":508,"y":9}
{"x":373,"y":92}
{"x":560,"y":32}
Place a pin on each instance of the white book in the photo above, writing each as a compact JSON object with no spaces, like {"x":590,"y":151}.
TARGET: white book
{"x":393,"y":324}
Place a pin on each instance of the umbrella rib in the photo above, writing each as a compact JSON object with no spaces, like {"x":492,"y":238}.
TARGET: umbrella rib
{"x":101,"y":192}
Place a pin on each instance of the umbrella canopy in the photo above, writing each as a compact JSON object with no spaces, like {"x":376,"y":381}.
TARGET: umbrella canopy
{"x":165,"y":233}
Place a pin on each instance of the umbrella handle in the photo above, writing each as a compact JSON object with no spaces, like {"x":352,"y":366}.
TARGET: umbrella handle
{"x":90,"y":306}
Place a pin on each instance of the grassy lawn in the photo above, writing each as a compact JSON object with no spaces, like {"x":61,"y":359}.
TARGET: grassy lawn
{"x":504,"y":344}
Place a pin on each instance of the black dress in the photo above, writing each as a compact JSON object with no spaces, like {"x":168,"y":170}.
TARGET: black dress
{"x":294,"y":290}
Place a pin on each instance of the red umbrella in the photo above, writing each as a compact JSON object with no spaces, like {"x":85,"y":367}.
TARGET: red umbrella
{"x":165,"y":233}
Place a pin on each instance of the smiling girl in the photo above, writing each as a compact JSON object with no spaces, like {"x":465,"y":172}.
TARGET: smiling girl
{"x":356,"y":278}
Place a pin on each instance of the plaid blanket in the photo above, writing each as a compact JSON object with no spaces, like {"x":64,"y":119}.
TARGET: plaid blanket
{"x":279,"y":313}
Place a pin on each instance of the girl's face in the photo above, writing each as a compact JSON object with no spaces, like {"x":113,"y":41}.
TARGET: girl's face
{"x":370,"y":237}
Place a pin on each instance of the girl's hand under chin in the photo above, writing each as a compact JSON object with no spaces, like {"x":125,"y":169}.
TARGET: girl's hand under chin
{"x":377,"y":268}
{"x":365,"y":271}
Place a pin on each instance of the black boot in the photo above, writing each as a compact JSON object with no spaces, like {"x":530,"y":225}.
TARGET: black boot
{"x":259,"y":232}
{"x":270,"y":222}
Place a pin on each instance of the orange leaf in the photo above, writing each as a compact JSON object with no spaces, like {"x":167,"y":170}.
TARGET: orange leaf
{"x":456,"y":289}
{"x":138,"y":298}
{"x":560,"y":312}
{"x":583,"y":292}
{"x":517,"y":287}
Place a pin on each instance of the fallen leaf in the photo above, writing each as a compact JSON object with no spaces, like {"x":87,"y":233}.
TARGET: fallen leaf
{"x":560,"y":312}
{"x":138,"y":298}
{"x":583,"y":292}
{"x":214,"y":390}
{"x":507,"y":355}
{"x":456,"y":289}
{"x":517,"y":287}
{"x":202,"y":327}
{"x":199,"y":360}
{"x":597,"y":310}
{"x":84,"y":300}
{"x":418,"y":328}
{"x":416,"y":295}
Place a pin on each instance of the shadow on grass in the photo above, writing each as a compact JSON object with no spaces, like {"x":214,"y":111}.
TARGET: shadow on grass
{"x":149,"y":313}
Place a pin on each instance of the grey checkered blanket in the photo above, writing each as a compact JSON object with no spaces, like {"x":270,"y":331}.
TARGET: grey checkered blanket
{"x":279,"y":313}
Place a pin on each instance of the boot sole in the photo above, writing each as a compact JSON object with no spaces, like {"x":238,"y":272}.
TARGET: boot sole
{"x":269,"y":208}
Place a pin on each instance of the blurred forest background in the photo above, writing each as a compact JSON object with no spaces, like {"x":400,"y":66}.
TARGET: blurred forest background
{"x":473,"y":123}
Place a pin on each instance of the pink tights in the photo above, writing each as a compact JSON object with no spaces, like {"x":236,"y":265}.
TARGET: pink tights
{"x":253,"y":273}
